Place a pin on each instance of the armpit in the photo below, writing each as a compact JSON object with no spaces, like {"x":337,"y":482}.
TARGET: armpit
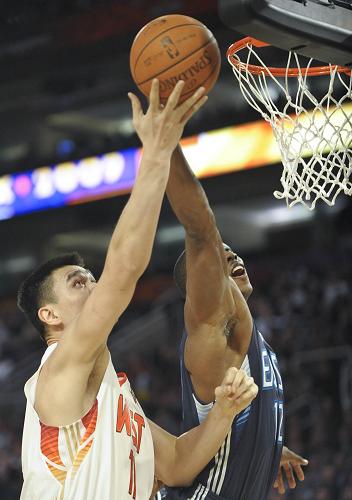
{"x":229,"y":328}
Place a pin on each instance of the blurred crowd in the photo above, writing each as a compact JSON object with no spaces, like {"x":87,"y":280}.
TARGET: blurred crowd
{"x":302,"y":304}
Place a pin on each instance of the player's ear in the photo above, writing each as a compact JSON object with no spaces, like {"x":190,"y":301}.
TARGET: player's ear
{"x":48,"y":315}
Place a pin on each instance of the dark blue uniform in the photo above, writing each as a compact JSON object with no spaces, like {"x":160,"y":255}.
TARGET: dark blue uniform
{"x":246,"y":465}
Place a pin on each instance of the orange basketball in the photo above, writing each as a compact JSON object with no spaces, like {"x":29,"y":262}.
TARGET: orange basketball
{"x":173,"y":48}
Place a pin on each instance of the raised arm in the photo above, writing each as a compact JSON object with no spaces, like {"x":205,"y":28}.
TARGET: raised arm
{"x":65,"y":375}
{"x":216,"y":314}
{"x":207,"y":275}
{"x":132,"y":240}
{"x":179,"y":460}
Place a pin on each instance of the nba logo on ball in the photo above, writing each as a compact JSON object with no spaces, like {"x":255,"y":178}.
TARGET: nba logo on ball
{"x":173,"y":48}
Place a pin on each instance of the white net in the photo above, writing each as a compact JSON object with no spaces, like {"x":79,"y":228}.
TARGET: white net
{"x":314,"y":134}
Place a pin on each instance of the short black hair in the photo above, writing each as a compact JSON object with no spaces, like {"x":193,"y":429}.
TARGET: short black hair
{"x":37,"y":288}
{"x":180,"y":274}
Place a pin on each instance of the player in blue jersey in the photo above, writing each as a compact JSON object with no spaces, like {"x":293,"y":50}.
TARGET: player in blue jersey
{"x":220,"y":332}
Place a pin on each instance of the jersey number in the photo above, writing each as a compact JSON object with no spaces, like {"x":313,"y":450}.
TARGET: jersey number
{"x":133,"y":479}
{"x":279,"y":413}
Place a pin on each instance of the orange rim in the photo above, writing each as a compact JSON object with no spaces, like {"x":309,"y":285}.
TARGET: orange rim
{"x":290,"y":72}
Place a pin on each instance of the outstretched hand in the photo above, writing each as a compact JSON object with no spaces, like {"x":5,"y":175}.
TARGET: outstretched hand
{"x":289,"y":462}
{"x":236,"y":391}
{"x":161,"y":127}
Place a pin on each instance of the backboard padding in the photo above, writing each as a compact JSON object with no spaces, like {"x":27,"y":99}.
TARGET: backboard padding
{"x":313,"y":29}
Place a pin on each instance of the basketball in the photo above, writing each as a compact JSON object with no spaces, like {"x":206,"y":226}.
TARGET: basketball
{"x":173,"y":48}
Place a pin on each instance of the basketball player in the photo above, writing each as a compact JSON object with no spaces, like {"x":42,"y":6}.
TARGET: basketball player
{"x":85,"y":436}
{"x":220,"y":332}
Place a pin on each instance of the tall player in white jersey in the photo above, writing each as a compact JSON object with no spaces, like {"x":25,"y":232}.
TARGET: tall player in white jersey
{"x":85,"y":436}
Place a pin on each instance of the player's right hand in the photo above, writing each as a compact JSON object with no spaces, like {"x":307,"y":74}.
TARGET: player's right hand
{"x":290,"y":462}
{"x":160,"y":128}
{"x":236,"y":391}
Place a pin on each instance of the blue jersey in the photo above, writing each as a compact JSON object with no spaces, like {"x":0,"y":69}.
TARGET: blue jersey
{"x":247,"y":463}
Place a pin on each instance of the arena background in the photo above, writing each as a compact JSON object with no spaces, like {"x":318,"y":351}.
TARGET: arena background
{"x":64,"y":76}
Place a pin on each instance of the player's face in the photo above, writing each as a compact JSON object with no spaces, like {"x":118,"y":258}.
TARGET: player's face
{"x":237,"y":272}
{"x":72,"y":287}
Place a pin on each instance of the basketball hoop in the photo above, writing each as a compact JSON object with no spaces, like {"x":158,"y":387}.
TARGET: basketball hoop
{"x":315,"y":144}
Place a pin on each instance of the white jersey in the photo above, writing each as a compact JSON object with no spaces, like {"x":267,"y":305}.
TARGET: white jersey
{"x":106,"y":455}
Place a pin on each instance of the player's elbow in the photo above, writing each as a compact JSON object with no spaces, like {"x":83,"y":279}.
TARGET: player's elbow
{"x":201,"y":226}
{"x":175,"y":471}
{"x":178,"y":476}
{"x":124,"y":268}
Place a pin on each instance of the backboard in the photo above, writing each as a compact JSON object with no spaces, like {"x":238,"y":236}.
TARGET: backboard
{"x":321,"y":29}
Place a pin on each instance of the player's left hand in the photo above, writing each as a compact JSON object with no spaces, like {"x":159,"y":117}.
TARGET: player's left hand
{"x":289,"y":462}
{"x":236,"y":392}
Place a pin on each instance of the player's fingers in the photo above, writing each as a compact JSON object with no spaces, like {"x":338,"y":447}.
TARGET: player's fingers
{"x":136,"y":107}
{"x":297,"y":459}
{"x":194,"y":109}
{"x":154,"y":99}
{"x":281,"y":487}
{"x":246,"y":397}
{"x":299,"y":471}
{"x":245,"y":384}
{"x":239,"y":379}
{"x":174,"y":97}
{"x":190,"y":103}
{"x":280,"y":483}
{"x":229,"y":376}
{"x":222,"y":391}
{"x":289,"y":476}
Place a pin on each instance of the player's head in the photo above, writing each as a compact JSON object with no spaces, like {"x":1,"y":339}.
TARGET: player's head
{"x":236,"y":270}
{"x":54,"y":294}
